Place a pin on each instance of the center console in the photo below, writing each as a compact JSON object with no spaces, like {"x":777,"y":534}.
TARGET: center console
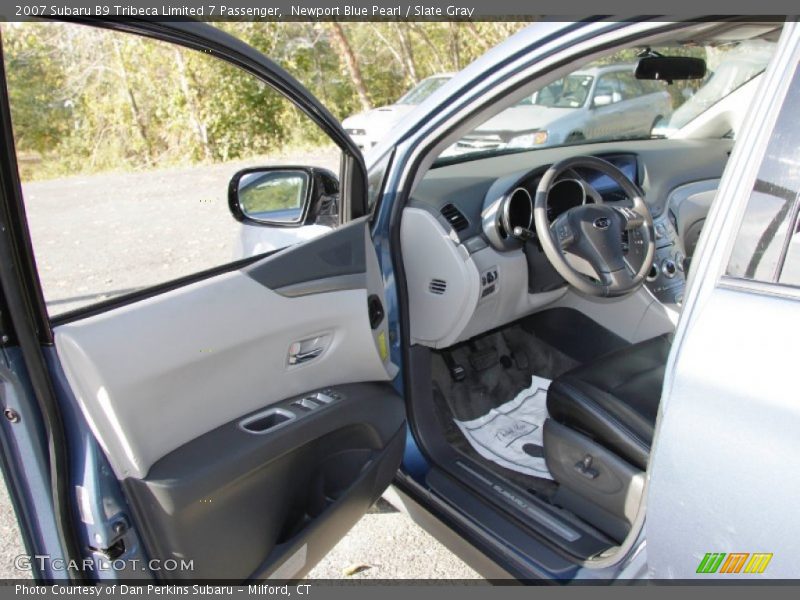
{"x":666,"y":278}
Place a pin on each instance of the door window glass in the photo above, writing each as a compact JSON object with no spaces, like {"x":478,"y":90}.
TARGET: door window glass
{"x":766,"y":247}
{"x":126,"y":147}
{"x":608,"y":86}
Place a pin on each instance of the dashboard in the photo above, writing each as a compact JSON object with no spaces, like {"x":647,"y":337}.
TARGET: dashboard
{"x":458,"y":229}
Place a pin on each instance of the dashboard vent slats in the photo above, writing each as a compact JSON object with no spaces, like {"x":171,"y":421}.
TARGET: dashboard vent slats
{"x":455,"y":217}
{"x":437,"y":286}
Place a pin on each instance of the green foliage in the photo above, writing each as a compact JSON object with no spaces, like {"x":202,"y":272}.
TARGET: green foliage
{"x":87,"y":100}
{"x":34,"y":71}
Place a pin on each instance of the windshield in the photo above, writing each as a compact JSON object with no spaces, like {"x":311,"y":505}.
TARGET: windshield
{"x":736,"y":69}
{"x":607,"y":102}
{"x":423,"y":90}
{"x":569,"y":92}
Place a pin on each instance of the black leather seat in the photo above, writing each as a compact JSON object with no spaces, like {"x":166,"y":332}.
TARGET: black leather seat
{"x":614,"y":400}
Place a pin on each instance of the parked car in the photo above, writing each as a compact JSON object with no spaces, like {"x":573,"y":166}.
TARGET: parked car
{"x":504,"y":342}
{"x":367,"y":128}
{"x":590,"y":104}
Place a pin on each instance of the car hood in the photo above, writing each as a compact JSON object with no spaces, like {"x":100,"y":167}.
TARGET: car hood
{"x":378,"y":119}
{"x":524,"y":118}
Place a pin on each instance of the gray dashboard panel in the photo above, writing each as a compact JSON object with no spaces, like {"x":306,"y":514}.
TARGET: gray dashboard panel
{"x":663,"y":165}
{"x":690,"y":205}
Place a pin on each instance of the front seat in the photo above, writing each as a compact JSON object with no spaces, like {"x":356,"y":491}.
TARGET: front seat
{"x":597,"y":439}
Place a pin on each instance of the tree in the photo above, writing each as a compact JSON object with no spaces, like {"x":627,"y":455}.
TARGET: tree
{"x":349,"y":58}
{"x":87,"y":100}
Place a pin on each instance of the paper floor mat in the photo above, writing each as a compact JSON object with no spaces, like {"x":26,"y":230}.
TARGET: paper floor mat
{"x":511,"y":434}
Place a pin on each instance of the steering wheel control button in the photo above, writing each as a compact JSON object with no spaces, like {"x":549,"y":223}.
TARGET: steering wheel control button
{"x":564,"y":235}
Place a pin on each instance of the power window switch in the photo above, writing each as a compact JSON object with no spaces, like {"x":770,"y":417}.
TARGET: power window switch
{"x":307,"y":403}
{"x":325,"y":397}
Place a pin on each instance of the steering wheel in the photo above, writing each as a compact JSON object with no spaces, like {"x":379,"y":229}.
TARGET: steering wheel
{"x":594,"y":232}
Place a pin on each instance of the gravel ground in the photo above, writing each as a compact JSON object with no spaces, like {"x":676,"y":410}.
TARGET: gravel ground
{"x":10,"y":539}
{"x":105,"y":235}
{"x":98,"y":236}
{"x":386,"y":544}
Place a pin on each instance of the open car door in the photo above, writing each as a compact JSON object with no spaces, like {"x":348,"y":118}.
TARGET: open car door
{"x":248,"y":413}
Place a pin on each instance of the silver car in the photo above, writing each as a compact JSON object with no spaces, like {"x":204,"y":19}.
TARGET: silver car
{"x":369,"y":127}
{"x":590,"y":104}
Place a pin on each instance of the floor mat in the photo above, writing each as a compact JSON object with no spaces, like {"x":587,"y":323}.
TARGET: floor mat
{"x":510,"y":435}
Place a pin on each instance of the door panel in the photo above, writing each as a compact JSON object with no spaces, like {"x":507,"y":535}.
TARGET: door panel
{"x":197,"y":397}
{"x":241,"y":512}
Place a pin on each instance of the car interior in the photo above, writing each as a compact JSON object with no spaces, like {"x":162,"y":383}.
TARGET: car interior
{"x":543,"y":288}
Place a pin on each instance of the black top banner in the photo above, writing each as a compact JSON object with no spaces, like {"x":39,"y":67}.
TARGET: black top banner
{"x":380,"y":10}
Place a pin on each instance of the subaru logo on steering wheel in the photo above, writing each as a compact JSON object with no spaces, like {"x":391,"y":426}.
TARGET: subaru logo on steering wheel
{"x":602,"y":222}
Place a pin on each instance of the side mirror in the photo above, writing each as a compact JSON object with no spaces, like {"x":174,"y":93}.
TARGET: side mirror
{"x":284,"y":196}
{"x":603,"y":100}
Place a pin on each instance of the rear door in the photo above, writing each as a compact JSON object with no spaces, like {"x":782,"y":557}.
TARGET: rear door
{"x":720,"y":501}
{"x":245,"y":410}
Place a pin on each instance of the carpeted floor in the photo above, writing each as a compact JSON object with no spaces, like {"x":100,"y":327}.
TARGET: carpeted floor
{"x":497,"y":367}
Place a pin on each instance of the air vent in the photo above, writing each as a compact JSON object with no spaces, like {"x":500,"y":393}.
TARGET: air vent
{"x":437,"y":286}
{"x":454,"y":216}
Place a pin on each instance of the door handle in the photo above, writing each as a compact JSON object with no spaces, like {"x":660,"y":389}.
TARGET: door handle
{"x":295,"y":358}
{"x":308,"y":349}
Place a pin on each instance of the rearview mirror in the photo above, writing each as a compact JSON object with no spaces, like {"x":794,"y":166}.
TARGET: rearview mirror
{"x":284,"y":196}
{"x":670,"y":68}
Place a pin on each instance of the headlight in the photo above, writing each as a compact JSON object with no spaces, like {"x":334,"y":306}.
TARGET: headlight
{"x":537,"y":138}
